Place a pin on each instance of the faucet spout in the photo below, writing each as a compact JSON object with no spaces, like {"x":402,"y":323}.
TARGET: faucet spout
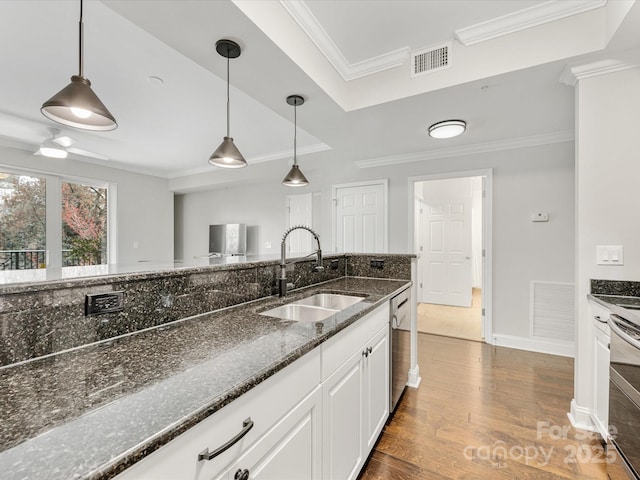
{"x":282,"y":280}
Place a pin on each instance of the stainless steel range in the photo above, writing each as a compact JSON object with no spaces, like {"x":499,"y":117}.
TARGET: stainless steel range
{"x":624,"y":397}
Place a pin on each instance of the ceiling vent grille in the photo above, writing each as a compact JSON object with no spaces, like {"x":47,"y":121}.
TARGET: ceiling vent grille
{"x":430,"y":59}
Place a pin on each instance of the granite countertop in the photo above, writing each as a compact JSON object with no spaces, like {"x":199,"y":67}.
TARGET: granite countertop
{"x":92,"y":411}
{"x":12,"y":281}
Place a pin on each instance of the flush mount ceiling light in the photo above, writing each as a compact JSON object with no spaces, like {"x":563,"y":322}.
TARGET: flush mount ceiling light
{"x":447,"y":129}
{"x":76,"y":105}
{"x":295,"y":177}
{"x":227,"y":154}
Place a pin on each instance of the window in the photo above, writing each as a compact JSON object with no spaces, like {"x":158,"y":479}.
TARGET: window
{"x":22,"y":222}
{"x":49,"y":221}
{"x":84,"y":225}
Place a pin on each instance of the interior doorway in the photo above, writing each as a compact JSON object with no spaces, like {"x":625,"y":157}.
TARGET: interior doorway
{"x":451,"y":236}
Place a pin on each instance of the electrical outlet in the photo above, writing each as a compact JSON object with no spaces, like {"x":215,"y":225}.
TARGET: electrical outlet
{"x":98,"y":303}
{"x":334,"y":264}
{"x":378,"y":264}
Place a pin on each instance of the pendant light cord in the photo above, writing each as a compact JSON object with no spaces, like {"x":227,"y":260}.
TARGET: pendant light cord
{"x":295,"y":133}
{"x":228,"y":95}
{"x":81,"y":41}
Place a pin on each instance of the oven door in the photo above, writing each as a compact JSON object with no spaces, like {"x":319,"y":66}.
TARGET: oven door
{"x":624,"y":399}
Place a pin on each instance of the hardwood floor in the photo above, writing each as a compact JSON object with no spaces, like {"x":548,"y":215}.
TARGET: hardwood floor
{"x":484,"y":412}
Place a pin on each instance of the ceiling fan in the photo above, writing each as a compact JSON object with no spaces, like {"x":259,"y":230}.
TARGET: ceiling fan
{"x":59,"y":146}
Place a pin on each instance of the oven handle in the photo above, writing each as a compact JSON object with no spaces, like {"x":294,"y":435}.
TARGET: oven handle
{"x":622,"y":334}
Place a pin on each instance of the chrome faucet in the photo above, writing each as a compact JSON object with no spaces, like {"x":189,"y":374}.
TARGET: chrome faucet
{"x":282,"y":281}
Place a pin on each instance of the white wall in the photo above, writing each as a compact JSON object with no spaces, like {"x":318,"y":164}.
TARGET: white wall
{"x":144,"y":203}
{"x":525,"y":180}
{"x":608,"y":171}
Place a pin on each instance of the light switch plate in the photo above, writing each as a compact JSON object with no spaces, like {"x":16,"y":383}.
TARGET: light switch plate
{"x":610,"y":255}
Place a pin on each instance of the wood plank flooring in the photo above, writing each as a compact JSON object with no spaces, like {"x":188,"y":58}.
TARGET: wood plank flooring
{"x":484,"y":412}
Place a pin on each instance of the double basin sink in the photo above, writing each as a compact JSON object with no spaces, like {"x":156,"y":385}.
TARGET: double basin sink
{"x":315,"y":308}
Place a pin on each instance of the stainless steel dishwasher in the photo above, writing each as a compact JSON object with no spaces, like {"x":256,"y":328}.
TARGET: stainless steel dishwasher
{"x":400,"y":326}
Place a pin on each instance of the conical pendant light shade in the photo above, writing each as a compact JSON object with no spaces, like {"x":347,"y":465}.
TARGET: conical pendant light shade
{"x":295,"y":177}
{"x":76,"y":105}
{"x":227,"y":154}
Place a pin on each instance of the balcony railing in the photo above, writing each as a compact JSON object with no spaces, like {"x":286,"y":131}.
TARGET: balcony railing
{"x":30,"y":259}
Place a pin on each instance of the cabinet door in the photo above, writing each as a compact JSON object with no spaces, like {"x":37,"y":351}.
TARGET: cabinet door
{"x":601,"y":382}
{"x":376,"y":387}
{"x":291,"y":450}
{"x":342,"y":453}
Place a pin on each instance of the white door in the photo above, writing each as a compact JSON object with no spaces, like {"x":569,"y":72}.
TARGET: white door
{"x":342,"y":453}
{"x":299,"y":212}
{"x":376,"y":396}
{"x":360,"y":217}
{"x":446,"y":242}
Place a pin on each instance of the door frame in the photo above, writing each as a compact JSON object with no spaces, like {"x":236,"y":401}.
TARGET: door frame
{"x":487,"y":235}
{"x":385,"y":207}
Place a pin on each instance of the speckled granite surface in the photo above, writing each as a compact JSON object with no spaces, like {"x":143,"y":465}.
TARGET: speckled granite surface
{"x":94,"y":410}
{"x":615,"y":287}
{"x":42,"y":318}
{"x":620,"y":297}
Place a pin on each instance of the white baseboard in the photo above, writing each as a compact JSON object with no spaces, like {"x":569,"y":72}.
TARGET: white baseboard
{"x":564,"y":349}
{"x":580,"y":417}
{"x":414,"y":377}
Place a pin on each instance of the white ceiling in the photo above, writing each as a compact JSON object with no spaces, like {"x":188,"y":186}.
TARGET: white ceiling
{"x":170,"y":129}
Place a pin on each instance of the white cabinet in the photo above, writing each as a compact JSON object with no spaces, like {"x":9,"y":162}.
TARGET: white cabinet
{"x":316,"y":419}
{"x":266,"y":405}
{"x":355,"y":397}
{"x":601,"y":338}
{"x":289,"y":451}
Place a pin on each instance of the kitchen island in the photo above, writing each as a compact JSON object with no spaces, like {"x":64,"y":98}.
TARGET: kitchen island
{"x":94,"y":410}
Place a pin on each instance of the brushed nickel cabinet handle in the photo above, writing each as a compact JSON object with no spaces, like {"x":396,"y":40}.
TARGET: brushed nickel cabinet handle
{"x":206,"y":455}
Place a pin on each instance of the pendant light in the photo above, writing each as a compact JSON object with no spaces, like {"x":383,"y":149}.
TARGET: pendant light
{"x":76,"y":105}
{"x":227,"y":154}
{"x":295,"y":177}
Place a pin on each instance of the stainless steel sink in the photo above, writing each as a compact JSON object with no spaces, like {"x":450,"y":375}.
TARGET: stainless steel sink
{"x":333,"y":301}
{"x":299,"y":313}
{"x":314,"y":308}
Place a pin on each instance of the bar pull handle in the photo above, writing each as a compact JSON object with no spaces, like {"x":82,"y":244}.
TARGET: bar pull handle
{"x":402,"y":303}
{"x":206,"y":455}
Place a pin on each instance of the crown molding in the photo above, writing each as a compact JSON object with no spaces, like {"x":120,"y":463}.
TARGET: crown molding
{"x":571,"y":74}
{"x":318,"y":147}
{"x":523,"y":19}
{"x":510,"y":144}
{"x":309,"y":24}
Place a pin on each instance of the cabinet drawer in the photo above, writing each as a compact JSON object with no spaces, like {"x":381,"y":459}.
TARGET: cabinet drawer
{"x":599,"y":316}
{"x":266,"y":404}
{"x":340,"y":347}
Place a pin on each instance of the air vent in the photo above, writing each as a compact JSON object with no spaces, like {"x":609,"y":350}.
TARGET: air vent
{"x":430,"y":59}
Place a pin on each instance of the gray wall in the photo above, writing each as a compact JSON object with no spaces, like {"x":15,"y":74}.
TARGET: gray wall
{"x":525,"y":180}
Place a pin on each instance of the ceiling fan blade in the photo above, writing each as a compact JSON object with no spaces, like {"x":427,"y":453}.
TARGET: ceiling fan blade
{"x":64,"y":140}
{"x":86,"y":153}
